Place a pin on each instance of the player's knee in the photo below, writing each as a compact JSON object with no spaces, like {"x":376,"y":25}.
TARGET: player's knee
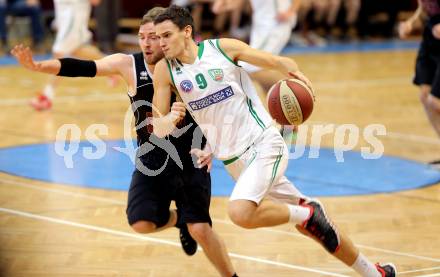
{"x":143,"y":227}
{"x":241,"y":216}
{"x":433,"y":103}
{"x":199,"y":231}
{"x":424,"y":93}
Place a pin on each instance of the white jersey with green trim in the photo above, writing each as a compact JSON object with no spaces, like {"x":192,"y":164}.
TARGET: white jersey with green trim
{"x":222,"y":100}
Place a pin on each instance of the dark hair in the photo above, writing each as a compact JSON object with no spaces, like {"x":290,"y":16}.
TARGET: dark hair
{"x":151,"y":15}
{"x":178,"y":15}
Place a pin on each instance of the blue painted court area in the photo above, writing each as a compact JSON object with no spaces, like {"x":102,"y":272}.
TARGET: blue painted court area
{"x":322,"y":176}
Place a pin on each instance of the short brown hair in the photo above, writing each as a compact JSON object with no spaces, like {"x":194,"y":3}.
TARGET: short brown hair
{"x":180,"y":17}
{"x":151,"y":15}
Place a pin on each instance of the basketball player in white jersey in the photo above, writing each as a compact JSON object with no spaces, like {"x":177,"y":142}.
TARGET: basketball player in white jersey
{"x":220,"y":97}
{"x":72,"y":39}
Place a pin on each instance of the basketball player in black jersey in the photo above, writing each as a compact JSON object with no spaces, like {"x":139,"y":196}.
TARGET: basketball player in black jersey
{"x":165,"y":172}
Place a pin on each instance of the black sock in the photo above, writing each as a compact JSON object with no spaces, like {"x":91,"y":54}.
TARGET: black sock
{"x":235,"y":275}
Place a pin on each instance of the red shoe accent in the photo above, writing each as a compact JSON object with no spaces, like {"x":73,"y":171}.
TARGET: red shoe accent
{"x":312,"y":210}
{"x":41,"y":102}
{"x":381,"y":271}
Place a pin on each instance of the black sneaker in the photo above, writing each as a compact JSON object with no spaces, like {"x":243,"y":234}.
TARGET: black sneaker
{"x":320,"y":227}
{"x":189,"y":245}
{"x":387,"y":270}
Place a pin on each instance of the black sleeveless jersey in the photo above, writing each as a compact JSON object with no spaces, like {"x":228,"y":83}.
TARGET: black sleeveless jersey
{"x":141,"y":103}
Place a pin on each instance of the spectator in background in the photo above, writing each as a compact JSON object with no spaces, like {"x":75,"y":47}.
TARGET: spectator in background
{"x":107,"y":15}
{"x":30,"y":8}
{"x":315,"y":10}
{"x":378,"y":17}
{"x":351,"y":8}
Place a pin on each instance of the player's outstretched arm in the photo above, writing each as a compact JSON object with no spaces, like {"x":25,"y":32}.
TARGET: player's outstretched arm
{"x":164,"y":121}
{"x":240,"y":51}
{"x":114,"y":64}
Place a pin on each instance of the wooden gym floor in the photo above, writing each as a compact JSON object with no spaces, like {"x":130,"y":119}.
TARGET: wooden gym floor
{"x":51,"y":229}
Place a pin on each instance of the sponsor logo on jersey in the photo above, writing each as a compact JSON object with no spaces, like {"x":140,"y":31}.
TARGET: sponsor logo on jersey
{"x":186,"y":86}
{"x":212,"y":99}
{"x":216,"y":74}
{"x":144,"y":75}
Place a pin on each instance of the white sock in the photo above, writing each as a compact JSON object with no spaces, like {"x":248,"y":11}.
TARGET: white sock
{"x":298,"y":214}
{"x":48,"y":91}
{"x":364,"y":267}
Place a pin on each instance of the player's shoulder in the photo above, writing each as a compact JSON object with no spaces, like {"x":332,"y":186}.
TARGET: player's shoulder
{"x":228,"y":43}
{"x":161,"y":66}
{"x":162,"y":70}
{"x":120,"y":58}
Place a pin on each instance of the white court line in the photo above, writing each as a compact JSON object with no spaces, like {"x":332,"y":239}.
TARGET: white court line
{"x":429,"y":275}
{"x":419,"y":270}
{"x":155,"y":240}
{"x":97,"y":198}
{"x":399,"y":253}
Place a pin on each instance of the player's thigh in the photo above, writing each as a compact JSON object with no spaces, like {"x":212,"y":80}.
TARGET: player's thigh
{"x":285,"y":191}
{"x":262,"y":166}
{"x":426,"y":67}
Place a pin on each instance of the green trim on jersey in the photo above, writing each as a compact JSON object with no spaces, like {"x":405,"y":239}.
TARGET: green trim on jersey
{"x":212,"y":44}
{"x":231,"y":160}
{"x":224,"y":54}
{"x":201,"y":48}
{"x":254,"y":114}
{"x":275,"y":167}
{"x":171,"y":73}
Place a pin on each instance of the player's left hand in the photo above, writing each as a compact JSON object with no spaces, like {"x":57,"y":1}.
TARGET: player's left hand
{"x":436,"y":31}
{"x":300,"y":76}
{"x":24,"y":57}
{"x":204,"y":158}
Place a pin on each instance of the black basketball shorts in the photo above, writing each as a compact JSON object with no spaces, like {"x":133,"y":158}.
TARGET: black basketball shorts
{"x":149,"y":197}
{"x":428,"y":69}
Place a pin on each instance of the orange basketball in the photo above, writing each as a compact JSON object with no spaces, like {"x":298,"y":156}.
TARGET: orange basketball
{"x":290,"y":102}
